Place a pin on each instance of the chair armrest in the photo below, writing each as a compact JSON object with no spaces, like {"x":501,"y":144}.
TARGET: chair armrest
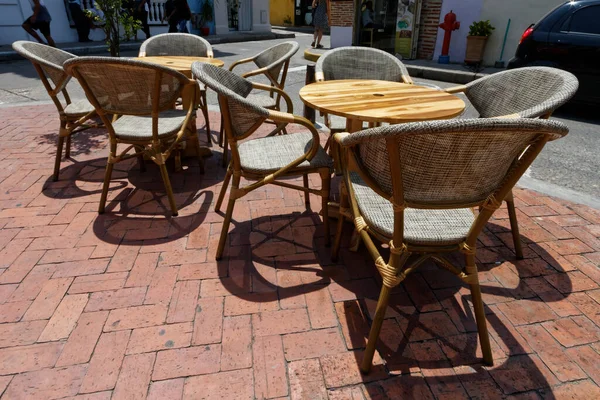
{"x":456,"y":89}
{"x":288,"y":118}
{"x":242,"y":61}
{"x":286,"y":97}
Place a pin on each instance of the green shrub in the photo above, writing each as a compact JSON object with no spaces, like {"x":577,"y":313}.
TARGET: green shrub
{"x":481,"y":28}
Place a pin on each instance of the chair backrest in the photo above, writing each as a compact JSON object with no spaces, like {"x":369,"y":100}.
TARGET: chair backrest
{"x":450,"y":164}
{"x":274,"y":59}
{"x":243,"y":116}
{"x":360,"y":63}
{"x":530,"y":92}
{"x":48,"y":62}
{"x":176,"y":44}
{"x":126,"y":87}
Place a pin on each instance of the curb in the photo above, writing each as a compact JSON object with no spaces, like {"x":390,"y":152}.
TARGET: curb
{"x":100,"y":48}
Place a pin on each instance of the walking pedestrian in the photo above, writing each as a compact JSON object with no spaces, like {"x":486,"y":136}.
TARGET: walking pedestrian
{"x":141,"y":14}
{"x":319,"y":21}
{"x":39,"y":20}
{"x":82,"y":22}
{"x":177,"y":13}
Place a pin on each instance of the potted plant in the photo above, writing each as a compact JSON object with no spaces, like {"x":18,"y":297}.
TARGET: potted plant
{"x":206,"y":15}
{"x":478,"y":34}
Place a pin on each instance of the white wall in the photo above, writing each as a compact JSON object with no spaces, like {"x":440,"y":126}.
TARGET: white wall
{"x":261,"y":16}
{"x":466,"y":12}
{"x":522,"y":13}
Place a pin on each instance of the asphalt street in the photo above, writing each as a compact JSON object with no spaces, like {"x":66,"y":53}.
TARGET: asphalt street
{"x":568,"y":168}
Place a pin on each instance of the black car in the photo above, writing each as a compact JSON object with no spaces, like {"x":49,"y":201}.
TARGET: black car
{"x":568,"y":37}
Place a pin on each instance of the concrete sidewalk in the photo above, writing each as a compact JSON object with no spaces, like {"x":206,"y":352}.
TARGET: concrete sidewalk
{"x":455,"y":73}
{"x":82,"y":49}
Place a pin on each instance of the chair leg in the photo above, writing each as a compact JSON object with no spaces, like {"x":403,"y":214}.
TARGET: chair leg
{"x":168,"y":188}
{"x":325,"y":189}
{"x":514,"y":225}
{"x":355,"y":241}
{"x":59,"y":148}
{"x":204,"y":106}
{"x":382,"y":304}
{"x":107,"y":176}
{"x":223,"y":190}
{"x":306,"y":194}
{"x":221,"y":131}
{"x":225,"y":151}
{"x":68,"y":147}
{"x":227,"y":221}
{"x":199,"y":152}
{"x":344,"y":204}
{"x":484,"y":339}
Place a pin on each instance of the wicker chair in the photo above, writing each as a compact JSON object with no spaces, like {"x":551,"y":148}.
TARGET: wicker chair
{"x":142,"y":94}
{"x":266,"y":159}
{"x":413,"y":186}
{"x":532,"y":92}
{"x":181,"y":44}
{"x":358,"y":63}
{"x":272,"y":63}
{"x":48,"y":62}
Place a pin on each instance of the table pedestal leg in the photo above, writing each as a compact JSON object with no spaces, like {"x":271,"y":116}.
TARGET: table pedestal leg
{"x":192,"y":140}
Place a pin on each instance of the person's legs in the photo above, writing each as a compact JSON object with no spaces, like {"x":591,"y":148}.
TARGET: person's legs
{"x":315,"y":37}
{"x":145,"y":26}
{"x":44,"y":27}
{"x":319,"y":37}
{"x":81,"y":22}
{"x":28,"y":26}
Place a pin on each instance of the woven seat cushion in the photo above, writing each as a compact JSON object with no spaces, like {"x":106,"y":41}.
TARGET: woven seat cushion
{"x":421,"y":227}
{"x":130,"y":127}
{"x":269,"y":154}
{"x":79,"y":108}
{"x":262,"y":100}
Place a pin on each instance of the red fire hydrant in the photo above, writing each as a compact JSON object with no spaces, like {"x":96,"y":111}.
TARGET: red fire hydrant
{"x":450,"y":24}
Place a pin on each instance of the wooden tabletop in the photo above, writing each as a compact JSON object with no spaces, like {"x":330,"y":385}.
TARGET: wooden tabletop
{"x":180,"y":63}
{"x":381,"y":101}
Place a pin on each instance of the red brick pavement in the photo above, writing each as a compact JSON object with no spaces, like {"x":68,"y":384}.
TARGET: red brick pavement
{"x":132,"y":305}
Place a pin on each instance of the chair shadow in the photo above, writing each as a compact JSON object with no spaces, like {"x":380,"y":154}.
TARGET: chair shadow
{"x":417,"y":333}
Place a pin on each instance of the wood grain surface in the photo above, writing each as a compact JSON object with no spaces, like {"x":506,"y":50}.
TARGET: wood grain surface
{"x":381,"y":101}
{"x":180,"y":63}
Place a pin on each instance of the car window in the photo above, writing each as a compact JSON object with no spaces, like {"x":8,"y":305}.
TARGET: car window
{"x":586,"y":20}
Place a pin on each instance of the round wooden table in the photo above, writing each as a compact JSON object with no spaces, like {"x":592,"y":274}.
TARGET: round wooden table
{"x":183,"y":64}
{"x":380,"y":101}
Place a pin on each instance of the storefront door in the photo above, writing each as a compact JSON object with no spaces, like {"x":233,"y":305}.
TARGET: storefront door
{"x":389,"y":25}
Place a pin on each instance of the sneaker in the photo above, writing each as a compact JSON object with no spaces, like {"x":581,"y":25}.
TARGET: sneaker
{"x":312,"y":44}
{"x":319,"y":46}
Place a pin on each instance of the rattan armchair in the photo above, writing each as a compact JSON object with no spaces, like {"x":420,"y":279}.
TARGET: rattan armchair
{"x":142,"y":95}
{"x":48,"y":62}
{"x":414,"y":187}
{"x":265,"y":160}
{"x":272,"y":63}
{"x":181,"y":44}
{"x":531,"y":92}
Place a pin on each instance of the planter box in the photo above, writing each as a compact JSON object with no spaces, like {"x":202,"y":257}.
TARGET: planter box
{"x":475,"y":49}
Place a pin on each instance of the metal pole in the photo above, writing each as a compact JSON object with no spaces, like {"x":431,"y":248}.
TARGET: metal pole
{"x":309,"y":113}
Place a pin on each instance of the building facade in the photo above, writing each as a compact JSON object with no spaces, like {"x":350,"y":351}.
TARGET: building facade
{"x":418,"y":21}
{"x":228,"y":16}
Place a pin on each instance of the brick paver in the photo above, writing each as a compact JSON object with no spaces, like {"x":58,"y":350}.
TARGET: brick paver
{"x":132,"y":305}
